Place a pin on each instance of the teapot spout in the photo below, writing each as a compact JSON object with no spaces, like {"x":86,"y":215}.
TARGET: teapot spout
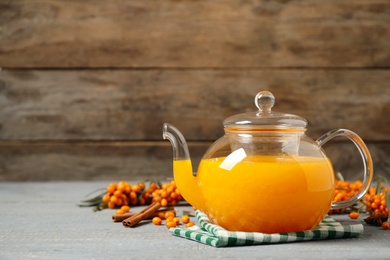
{"x":184,"y":176}
{"x":179,"y":144}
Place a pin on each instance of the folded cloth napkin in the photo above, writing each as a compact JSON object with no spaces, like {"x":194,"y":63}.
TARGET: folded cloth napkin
{"x":217,"y":236}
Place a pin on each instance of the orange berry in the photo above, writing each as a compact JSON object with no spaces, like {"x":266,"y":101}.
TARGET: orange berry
{"x":157,"y":221}
{"x":121,"y":186}
{"x":106,"y":198}
{"x":157,"y":199}
{"x":111,"y":189}
{"x":171,"y":224}
{"x":127,"y":189}
{"x":170,"y":189}
{"x":125,"y":208}
{"x":190,"y":224}
{"x":161,"y":214}
{"x":164,"y":202}
{"x":385,"y":225}
{"x":354,"y":215}
{"x":133,"y":195}
{"x":120,"y":211}
{"x":185,"y":219}
{"x":118,"y":193}
{"x":146,"y":194}
{"x":111,"y":204}
{"x":177,"y":220}
{"x":136,"y":188}
{"x":113,"y":199}
{"x":164,"y":194}
{"x":169,"y":213}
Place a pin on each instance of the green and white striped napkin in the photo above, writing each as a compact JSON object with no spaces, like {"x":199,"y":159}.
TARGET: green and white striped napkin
{"x":214,"y":235}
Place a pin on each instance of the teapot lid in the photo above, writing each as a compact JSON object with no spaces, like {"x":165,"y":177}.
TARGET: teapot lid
{"x":265,"y":118}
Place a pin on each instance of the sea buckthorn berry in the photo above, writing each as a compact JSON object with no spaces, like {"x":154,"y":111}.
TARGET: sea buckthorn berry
{"x":121,"y":186}
{"x":111,"y":205}
{"x":157,"y":221}
{"x":177,"y":220}
{"x":354,"y":215}
{"x":164,"y":194}
{"x":133,"y":195}
{"x":385,"y":225}
{"x":161,"y":214}
{"x":111,"y":189}
{"x":118,"y":193}
{"x":169,"y":218}
{"x":157,"y":199}
{"x":171,"y":224}
{"x":120,"y":211}
{"x":169,"y":213}
{"x":136,"y":188}
{"x":164,"y":202}
{"x":190,"y":224}
{"x":113,"y":199}
{"x":141,"y":185}
{"x":125,"y":208}
{"x":106,"y":198}
{"x":185,"y":219}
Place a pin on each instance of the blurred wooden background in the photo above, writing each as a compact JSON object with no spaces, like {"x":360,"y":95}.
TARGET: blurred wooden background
{"x":85,"y":86}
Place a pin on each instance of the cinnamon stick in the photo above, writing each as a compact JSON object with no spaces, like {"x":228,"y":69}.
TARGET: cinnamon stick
{"x":143,"y":214}
{"x":121,"y":217}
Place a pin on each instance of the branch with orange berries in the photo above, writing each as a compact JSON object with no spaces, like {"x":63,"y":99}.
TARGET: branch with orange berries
{"x":123,"y":195}
{"x":376,"y":202}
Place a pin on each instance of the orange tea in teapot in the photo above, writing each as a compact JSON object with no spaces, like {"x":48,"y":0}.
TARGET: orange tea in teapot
{"x":264,"y":193}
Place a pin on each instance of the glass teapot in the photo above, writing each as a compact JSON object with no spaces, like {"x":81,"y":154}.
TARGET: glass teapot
{"x":264,"y":175}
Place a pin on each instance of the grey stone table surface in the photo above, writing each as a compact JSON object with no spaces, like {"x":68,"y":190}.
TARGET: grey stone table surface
{"x":42,"y":220}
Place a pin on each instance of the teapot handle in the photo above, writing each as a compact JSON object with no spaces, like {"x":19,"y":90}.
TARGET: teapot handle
{"x":367,"y":163}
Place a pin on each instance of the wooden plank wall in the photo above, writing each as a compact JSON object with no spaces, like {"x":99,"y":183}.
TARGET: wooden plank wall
{"x":85,"y":86}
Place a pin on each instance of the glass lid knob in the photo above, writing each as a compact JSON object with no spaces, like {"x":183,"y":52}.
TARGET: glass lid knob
{"x":264,"y":101}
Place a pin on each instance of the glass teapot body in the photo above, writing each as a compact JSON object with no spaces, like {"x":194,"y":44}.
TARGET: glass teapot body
{"x":260,"y":178}
{"x":264,"y":174}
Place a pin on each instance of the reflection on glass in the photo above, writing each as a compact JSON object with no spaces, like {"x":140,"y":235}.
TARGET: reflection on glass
{"x":232,"y":159}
